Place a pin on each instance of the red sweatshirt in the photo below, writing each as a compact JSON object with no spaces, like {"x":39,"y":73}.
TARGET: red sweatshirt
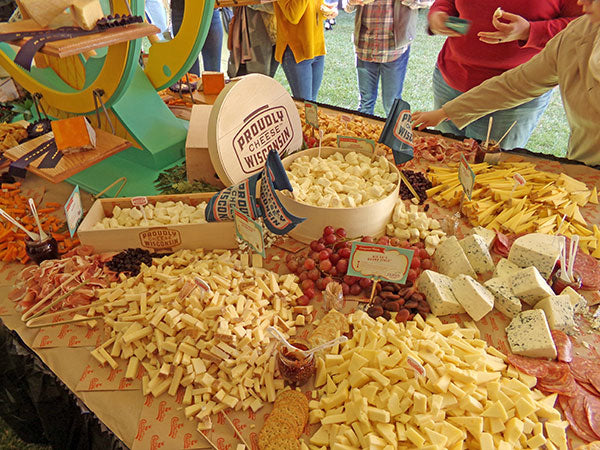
{"x":466,"y":62}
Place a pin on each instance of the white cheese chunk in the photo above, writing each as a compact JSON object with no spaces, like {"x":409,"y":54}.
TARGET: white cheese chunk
{"x":450,"y":259}
{"x":477,"y":253}
{"x":476,"y":299}
{"x":559,"y":312}
{"x":487,"y":235}
{"x":530,"y":286}
{"x":504,"y":299}
{"x":505,"y":268}
{"x":529,"y":335}
{"x":538,"y":250}
{"x":437,"y":288}
{"x":577,"y":301}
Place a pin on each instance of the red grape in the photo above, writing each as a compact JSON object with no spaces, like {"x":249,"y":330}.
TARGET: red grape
{"x":314,"y":274}
{"x":289,"y":257}
{"x":331,"y":239}
{"x":323,"y":254}
{"x":326,"y":281}
{"x":321,"y":240}
{"x":328,"y":230}
{"x":333,"y":272}
{"x":335,"y":258}
{"x":302,"y":300}
{"x":308,"y":283}
{"x":383,"y":240}
{"x":325,"y":265}
{"x":310,"y":292}
{"x":355,"y":289}
{"x":365,"y":283}
{"x":404,"y":244}
{"x":313,"y":246}
{"x":415,"y":263}
{"x":309,"y":264}
{"x":292,"y":266}
{"x":368,"y":239}
{"x":340,"y":232}
{"x":303,"y":276}
{"x":345,"y":289}
{"x":342,"y":266}
{"x":423,"y":254}
{"x":320,"y":247}
{"x":412,"y":275}
{"x":319,"y":284}
{"x":344,"y":253}
{"x":394,"y":242}
{"x":329,"y":250}
{"x":419,"y":244}
{"x":350,"y":280}
{"x":315,"y":256}
{"x":426,"y":264}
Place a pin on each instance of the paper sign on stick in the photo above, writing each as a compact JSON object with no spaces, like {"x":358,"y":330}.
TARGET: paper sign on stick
{"x":74,"y":211}
{"x":379,"y":262}
{"x":466,"y":176}
{"x":356,"y":143}
{"x":311,"y":114}
{"x":250,"y":232}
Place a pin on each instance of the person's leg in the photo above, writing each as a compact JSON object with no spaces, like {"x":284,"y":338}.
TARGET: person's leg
{"x":274,"y":64}
{"x":299,"y":75}
{"x":176,"y":18}
{"x":526,"y":115}
{"x":318,"y":67}
{"x":368,"y":83}
{"x":392,"y":80}
{"x":211,"y":51}
{"x":443,"y":93}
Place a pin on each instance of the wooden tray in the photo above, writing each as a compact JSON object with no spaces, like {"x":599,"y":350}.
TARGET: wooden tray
{"x":107,"y":145}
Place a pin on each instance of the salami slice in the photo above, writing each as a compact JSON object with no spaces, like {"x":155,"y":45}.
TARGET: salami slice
{"x":594,"y":379}
{"x":592,"y":409}
{"x":588,"y":387}
{"x":589,"y":268}
{"x":530,"y":366}
{"x":564,"y":347}
{"x":580,"y":368}
{"x":578,"y":418}
{"x":566,"y":385}
{"x":501,"y":244}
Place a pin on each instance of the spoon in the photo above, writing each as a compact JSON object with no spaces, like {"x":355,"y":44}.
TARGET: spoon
{"x":337,"y":340}
{"x":305,"y":353}
{"x":43,"y":235}
{"x":32,"y":236}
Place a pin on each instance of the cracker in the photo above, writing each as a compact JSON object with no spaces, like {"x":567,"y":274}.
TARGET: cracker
{"x":275,"y":427}
{"x":281,"y":443}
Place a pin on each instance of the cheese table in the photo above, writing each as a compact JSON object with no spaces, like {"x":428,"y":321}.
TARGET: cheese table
{"x":153,"y":423}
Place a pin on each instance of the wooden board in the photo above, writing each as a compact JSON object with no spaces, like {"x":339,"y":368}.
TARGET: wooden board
{"x":107,"y":145}
{"x":82,"y":44}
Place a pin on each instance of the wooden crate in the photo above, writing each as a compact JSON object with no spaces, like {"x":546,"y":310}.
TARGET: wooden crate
{"x":160,"y":239}
{"x":361,"y":221}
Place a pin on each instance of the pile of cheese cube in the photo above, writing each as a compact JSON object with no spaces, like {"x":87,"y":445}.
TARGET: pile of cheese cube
{"x":213,"y":342}
{"x":519,"y":279}
{"x":430,"y":386}
{"x":342,"y":181}
{"x":150,"y":215}
{"x":414,"y":226}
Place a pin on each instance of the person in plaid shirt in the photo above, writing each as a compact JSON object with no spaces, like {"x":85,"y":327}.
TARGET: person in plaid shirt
{"x":383,"y":31}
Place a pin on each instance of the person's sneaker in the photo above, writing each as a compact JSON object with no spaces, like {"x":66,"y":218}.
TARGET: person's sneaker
{"x":328,"y":25}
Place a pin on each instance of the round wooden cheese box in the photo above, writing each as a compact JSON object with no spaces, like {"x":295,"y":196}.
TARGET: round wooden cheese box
{"x":367,"y":220}
{"x":251,"y":116}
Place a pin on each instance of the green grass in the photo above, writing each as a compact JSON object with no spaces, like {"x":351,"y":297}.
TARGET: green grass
{"x":339,"y":86}
{"x":10,"y":441}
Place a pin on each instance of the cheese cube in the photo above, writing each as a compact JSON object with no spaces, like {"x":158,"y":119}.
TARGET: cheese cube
{"x":559,"y":312}
{"x":437,"y":288}
{"x":450,"y":259}
{"x":475,"y":299}
{"x":86,"y":13}
{"x":486,"y":441}
{"x":529,"y":335}
{"x":487,"y":235}
{"x":556,"y":433}
{"x":538,"y":250}
{"x":577,"y":301}
{"x":505,"y":268}
{"x":504,"y":299}
{"x":477,"y":252}
{"x":529,"y":286}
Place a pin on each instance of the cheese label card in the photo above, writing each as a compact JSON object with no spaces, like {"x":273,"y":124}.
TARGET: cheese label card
{"x":250,"y":232}
{"x":466,"y":176}
{"x":416,"y":366}
{"x":379,"y":262}
{"x":397,"y":132}
{"x":356,"y":143}
{"x":139,"y":201}
{"x":74,"y":211}
{"x":519,"y":179}
{"x":311,"y":114}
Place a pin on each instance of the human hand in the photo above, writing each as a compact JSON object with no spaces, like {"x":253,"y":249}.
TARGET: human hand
{"x":328,"y":12}
{"x":437,"y":24}
{"x":424,"y":119}
{"x":356,"y":2}
{"x":512,"y":28}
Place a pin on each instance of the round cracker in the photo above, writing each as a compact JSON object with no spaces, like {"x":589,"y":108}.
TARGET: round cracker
{"x":275,"y":427}
{"x":281,"y":443}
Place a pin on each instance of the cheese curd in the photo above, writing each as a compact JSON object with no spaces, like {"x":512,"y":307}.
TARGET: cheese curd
{"x":341,"y":181}
{"x":159,"y":214}
{"x":413,"y":226}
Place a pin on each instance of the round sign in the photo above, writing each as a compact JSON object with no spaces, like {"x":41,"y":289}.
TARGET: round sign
{"x":250,"y":117}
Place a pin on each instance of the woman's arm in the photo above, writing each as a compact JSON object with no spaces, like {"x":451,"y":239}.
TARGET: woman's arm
{"x":543,"y":30}
{"x":438,"y":13}
{"x":293,"y":10}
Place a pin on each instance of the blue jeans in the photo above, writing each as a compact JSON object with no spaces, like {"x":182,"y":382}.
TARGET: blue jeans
{"x":392,"y":80}
{"x":527,"y":116}
{"x":211,"y":51}
{"x":157,"y":15}
{"x":304,"y":77}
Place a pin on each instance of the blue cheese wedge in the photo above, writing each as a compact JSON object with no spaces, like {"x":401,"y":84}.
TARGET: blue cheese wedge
{"x":504,"y":299}
{"x":577,"y":301}
{"x":529,"y":335}
{"x":450,"y":259}
{"x":505,"y":268}
{"x":530,"y":286}
{"x":487,"y":235}
{"x":559,"y":312}
{"x":437,"y":288}
{"x":476,"y":299}
{"x":538,"y":250}
{"x":477,"y":253}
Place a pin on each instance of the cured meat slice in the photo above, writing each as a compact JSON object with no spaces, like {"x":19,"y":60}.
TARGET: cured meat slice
{"x":589,"y":268}
{"x":577,"y":416}
{"x":580,"y":368}
{"x":566,"y":385}
{"x":588,"y":387}
{"x":564,"y":347}
{"x":502,"y":244}
{"x":530,"y":366}
{"x":594,"y":379}
{"x":592,"y":409}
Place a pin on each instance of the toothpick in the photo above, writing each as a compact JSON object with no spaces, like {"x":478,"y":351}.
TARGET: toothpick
{"x":573,"y":255}
{"x":505,"y":134}
{"x":239,"y":435}
{"x":409,"y":186}
{"x":320,"y":140}
{"x":31,"y":322}
{"x":373,"y":291}
{"x":208,"y":440}
{"x":59,"y":299}
{"x":489,"y":131}
{"x":30,"y":311}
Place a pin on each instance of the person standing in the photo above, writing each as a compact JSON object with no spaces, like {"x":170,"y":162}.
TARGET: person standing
{"x":503,"y":34}
{"x":300,"y":46}
{"x":157,"y":15}
{"x":383,"y":32}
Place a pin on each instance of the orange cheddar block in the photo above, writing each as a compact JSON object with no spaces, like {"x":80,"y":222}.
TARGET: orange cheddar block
{"x":213,"y":82}
{"x":74,"y":135}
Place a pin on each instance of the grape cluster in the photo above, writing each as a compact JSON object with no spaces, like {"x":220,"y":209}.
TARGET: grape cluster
{"x":129,"y":261}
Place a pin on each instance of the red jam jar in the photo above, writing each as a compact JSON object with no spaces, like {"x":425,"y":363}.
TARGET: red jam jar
{"x":294,"y":368}
{"x":40,"y":251}
{"x":558,"y":284}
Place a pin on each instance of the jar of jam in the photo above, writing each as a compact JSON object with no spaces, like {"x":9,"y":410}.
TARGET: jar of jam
{"x":559,"y":284}
{"x":40,"y":251}
{"x":294,"y":367}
